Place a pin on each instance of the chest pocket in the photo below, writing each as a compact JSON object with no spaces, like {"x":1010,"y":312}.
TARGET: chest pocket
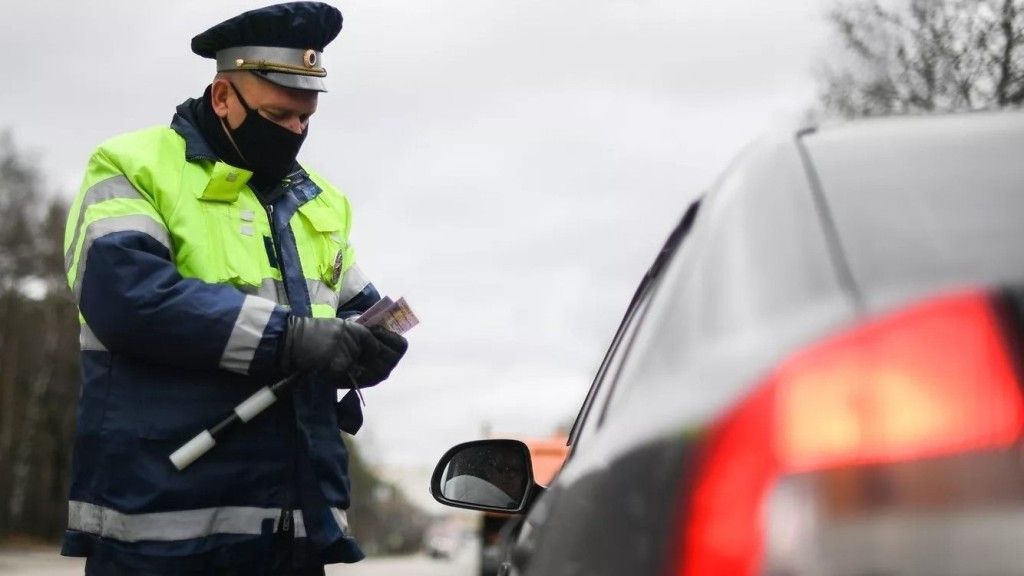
{"x":238,"y":253}
{"x":320,"y":235}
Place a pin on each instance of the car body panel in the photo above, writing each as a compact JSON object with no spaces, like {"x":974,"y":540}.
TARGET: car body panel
{"x":925,"y":204}
{"x":762,"y":218}
{"x":795,"y":243}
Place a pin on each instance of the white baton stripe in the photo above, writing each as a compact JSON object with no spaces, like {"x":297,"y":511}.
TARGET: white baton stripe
{"x":247,"y":333}
{"x":193,"y":449}
{"x":255,"y":404}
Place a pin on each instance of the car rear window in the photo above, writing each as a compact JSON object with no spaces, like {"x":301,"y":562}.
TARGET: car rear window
{"x":925,"y":202}
{"x":753,"y":276}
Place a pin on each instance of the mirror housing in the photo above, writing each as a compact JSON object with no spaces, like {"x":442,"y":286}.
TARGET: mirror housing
{"x":485,"y":475}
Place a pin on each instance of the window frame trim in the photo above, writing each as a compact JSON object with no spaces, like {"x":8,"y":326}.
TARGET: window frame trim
{"x":635,"y":312}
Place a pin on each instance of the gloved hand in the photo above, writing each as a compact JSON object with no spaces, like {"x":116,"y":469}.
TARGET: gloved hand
{"x":372,"y":368}
{"x":328,"y":344}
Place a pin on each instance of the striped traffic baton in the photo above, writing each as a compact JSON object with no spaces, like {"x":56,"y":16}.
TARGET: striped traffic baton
{"x":247,"y":410}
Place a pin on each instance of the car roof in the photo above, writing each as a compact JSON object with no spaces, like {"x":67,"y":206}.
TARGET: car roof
{"x":924,"y":203}
{"x":913,"y":127}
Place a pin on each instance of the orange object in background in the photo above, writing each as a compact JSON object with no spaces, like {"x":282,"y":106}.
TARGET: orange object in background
{"x":547,"y":455}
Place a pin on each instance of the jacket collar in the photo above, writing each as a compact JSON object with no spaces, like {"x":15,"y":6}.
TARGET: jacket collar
{"x":186,"y":125}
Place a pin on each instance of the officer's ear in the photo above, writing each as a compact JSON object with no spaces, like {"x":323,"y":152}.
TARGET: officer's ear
{"x":220,"y":92}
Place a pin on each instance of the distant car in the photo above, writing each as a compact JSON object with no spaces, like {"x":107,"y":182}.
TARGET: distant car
{"x":442,"y":547}
{"x":821,"y":373}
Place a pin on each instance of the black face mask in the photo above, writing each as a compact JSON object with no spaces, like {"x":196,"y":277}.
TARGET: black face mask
{"x":267,"y":148}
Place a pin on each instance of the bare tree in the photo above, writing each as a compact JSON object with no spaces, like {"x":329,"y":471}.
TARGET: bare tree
{"x":38,"y":351}
{"x":920,"y":56}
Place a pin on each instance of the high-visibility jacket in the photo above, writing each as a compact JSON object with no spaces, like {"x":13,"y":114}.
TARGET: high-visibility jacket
{"x":184,"y":282}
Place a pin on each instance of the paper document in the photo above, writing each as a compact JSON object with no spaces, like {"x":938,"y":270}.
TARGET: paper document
{"x":395,"y":316}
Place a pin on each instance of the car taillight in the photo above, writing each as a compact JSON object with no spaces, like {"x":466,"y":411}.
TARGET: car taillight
{"x":933,"y":380}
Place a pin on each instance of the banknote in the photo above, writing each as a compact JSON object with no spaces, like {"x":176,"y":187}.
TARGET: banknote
{"x":373,"y":315}
{"x":396,"y":316}
{"x":400,"y":318}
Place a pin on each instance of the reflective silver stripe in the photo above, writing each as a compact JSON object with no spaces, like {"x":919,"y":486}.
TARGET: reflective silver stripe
{"x":167,"y":526}
{"x":341,"y":518}
{"x":321,"y":293}
{"x":338,"y":514}
{"x":116,"y":187}
{"x":131,"y":222}
{"x":352,"y":284}
{"x":270,"y":289}
{"x":273,"y":290}
{"x":88,"y":341}
{"x":247,"y":333}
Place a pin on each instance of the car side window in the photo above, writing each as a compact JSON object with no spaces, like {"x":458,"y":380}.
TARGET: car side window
{"x":756,"y":258}
{"x":588,"y":419}
{"x":586,"y":422}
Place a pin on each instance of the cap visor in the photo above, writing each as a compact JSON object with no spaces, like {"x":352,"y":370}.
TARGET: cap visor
{"x":296,"y":81}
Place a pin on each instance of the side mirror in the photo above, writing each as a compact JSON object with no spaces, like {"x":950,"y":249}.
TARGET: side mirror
{"x":488,"y":475}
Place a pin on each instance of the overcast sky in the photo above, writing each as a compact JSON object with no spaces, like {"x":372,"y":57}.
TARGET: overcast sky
{"x":514,"y":165}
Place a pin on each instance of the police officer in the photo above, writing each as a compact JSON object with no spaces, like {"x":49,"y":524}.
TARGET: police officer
{"x":207,"y":263}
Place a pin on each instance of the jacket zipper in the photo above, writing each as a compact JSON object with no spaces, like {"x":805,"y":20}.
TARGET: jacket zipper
{"x":286,"y":527}
{"x":269,"y":208}
{"x":286,"y":521}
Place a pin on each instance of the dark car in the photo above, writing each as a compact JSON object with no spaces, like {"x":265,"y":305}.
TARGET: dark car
{"x":821,"y":373}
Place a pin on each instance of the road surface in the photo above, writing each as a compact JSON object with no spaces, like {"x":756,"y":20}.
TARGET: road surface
{"x":46,"y":562}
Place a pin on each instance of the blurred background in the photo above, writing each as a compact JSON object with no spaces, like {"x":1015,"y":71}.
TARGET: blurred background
{"x":513,"y":167}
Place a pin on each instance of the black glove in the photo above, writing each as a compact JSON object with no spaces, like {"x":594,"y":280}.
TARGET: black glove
{"x":328,"y":344}
{"x":372,"y":368}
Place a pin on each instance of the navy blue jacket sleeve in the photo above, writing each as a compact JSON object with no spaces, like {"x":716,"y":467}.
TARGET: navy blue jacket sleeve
{"x":135,"y":302}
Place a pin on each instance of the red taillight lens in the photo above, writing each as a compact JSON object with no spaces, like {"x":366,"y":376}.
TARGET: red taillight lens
{"x":931,"y":380}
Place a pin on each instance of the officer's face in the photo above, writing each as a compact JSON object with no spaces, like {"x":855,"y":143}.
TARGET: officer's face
{"x":287,"y":107}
